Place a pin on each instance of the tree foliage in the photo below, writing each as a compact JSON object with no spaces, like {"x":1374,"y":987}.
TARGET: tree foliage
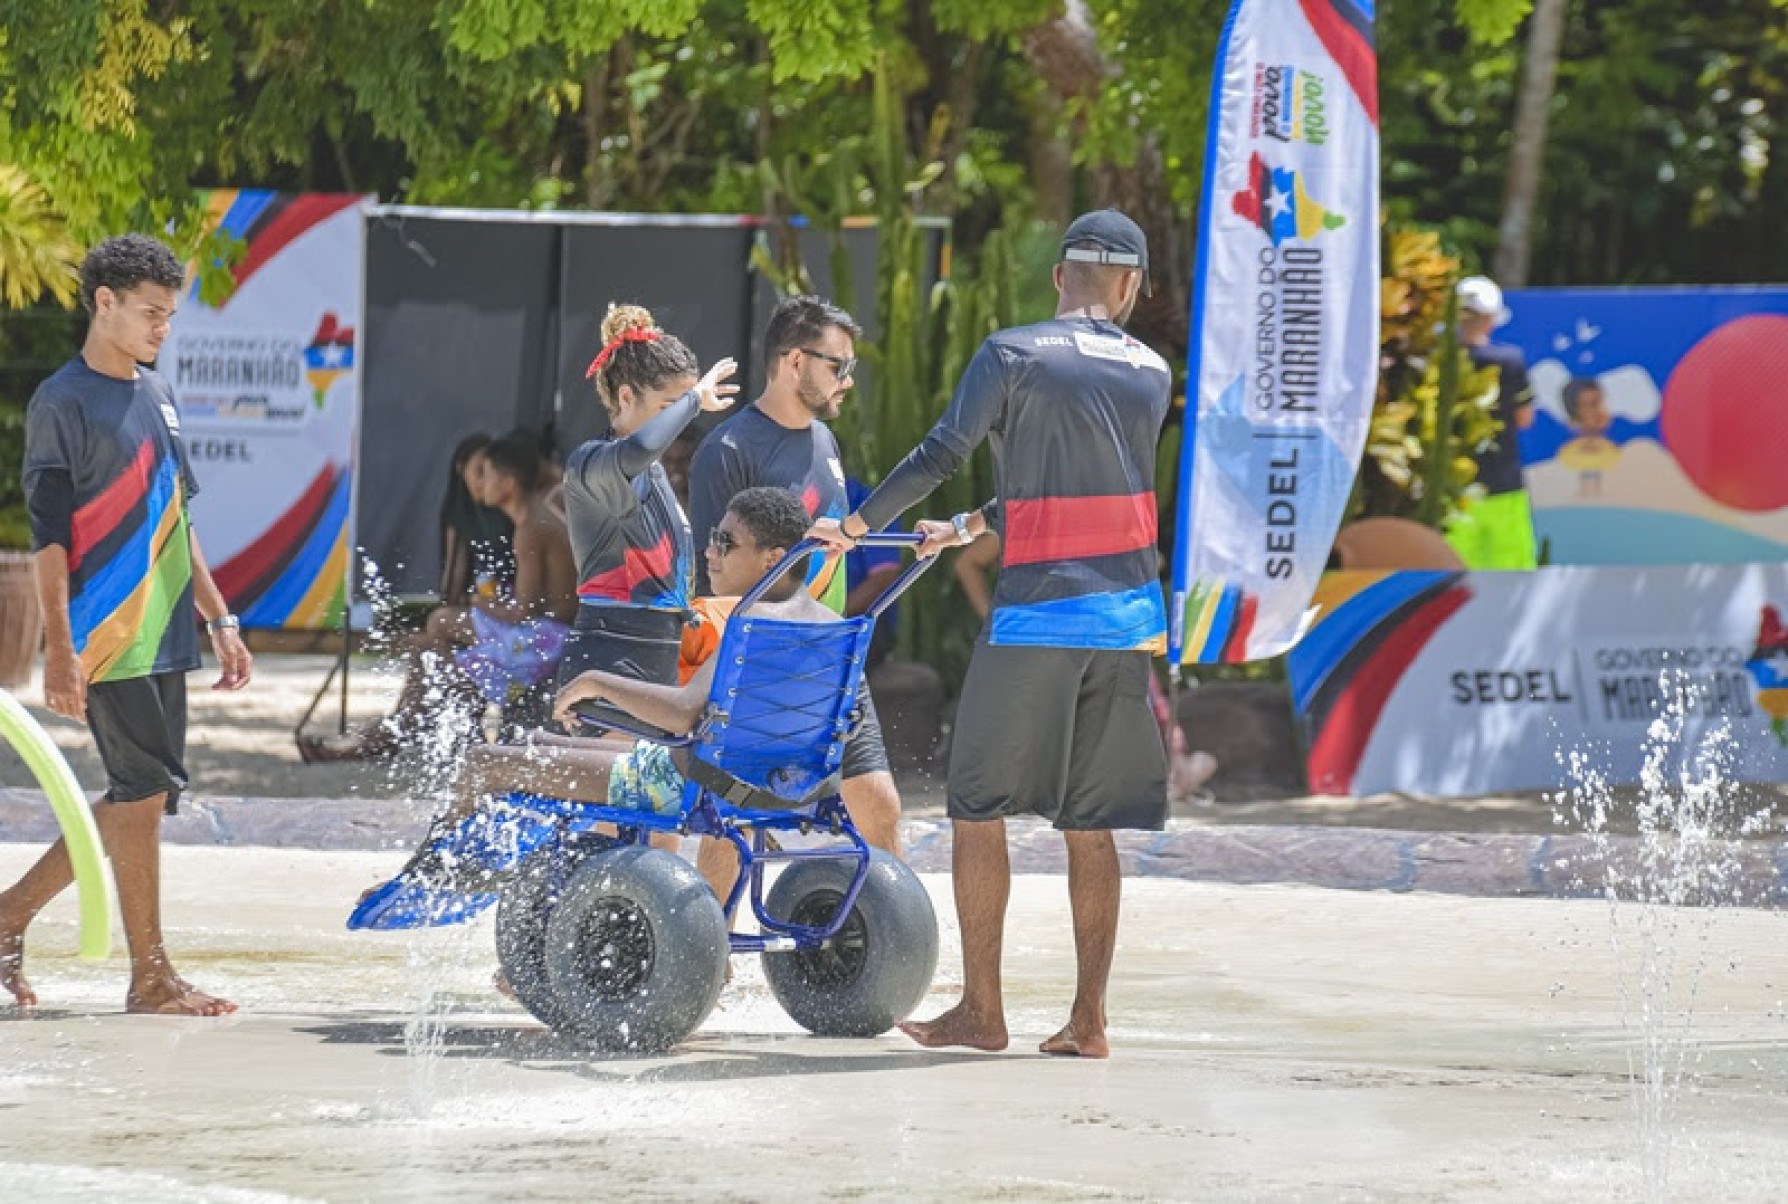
{"x":1668,"y":151}
{"x":1667,"y":160}
{"x":1666,"y":156}
{"x":37,"y":257}
{"x":1434,"y":409}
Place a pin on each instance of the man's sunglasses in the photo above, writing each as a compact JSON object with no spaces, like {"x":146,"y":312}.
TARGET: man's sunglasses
{"x":843,"y":366}
{"x":724,"y":542}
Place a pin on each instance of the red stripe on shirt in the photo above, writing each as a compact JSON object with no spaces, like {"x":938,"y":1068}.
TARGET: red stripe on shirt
{"x":100,"y":517}
{"x":638,"y":565}
{"x":1074,"y":528}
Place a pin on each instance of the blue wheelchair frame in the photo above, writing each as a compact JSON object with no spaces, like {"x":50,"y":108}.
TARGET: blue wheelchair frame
{"x":764,"y":755}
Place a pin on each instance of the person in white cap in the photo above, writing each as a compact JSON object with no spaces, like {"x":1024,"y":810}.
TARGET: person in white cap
{"x":1496,"y":530}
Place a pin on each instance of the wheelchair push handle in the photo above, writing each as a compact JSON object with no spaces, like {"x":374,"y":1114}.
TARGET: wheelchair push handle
{"x":875,"y":539}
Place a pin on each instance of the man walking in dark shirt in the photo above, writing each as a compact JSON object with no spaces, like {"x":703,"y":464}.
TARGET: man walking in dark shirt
{"x":119,"y":574}
{"x":1054,"y":718}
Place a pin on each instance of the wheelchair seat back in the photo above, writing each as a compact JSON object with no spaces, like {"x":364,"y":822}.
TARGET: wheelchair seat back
{"x":783,"y":702}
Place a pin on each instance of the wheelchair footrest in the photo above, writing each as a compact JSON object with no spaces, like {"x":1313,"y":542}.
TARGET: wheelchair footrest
{"x":452,"y":877}
{"x":405,"y":903}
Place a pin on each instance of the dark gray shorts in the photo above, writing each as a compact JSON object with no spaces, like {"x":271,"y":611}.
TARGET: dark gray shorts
{"x":1064,"y":733}
{"x":630,"y":641}
{"x":865,"y":752}
{"x":139,"y":725}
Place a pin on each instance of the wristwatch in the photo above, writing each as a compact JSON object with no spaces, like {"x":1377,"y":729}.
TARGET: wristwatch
{"x":223,"y":623}
{"x":963,"y":534}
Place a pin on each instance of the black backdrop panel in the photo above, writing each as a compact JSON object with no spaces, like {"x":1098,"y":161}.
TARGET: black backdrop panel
{"x":459,"y":333}
{"x":694,"y":279}
{"x":475,"y":324}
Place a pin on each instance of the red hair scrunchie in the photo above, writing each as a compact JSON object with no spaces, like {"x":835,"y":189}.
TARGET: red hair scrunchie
{"x":636,"y":335}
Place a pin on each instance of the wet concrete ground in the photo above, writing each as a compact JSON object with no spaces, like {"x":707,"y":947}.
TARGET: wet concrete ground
{"x":1272,"y":1043}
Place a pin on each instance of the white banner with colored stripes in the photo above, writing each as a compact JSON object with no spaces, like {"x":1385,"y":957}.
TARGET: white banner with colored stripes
{"x":1284,"y":350}
{"x":1459,"y":683}
{"x":269,"y":391}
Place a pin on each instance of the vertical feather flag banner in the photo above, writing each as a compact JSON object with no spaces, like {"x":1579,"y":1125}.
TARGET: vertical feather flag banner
{"x":1284,"y":349}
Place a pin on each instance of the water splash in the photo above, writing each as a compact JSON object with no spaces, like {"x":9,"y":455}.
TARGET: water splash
{"x":1664,"y":887}
{"x":442,"y":721}
{"x":433,"y":958}
{"x":439,"y":719}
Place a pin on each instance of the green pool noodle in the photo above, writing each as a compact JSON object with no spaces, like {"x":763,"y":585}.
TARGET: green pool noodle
{"x":73,"y":813}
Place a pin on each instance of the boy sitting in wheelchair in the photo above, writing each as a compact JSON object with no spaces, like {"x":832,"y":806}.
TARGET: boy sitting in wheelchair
{"x":486,"y":835}
{"x":758,"y":529}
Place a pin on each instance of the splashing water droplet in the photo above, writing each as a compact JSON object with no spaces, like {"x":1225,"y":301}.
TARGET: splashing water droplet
{"x":1664,"y":888}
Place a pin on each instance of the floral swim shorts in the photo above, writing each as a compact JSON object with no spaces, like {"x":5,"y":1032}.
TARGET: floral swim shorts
{"x":646,"y":779}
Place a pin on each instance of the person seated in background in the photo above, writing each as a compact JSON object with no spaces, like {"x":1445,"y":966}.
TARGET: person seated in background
{"x":758,"y":528}
{"x":476,"y":540}
{"x":503,"y":642}
{"x":1187,"y":771}
{"x":517,"y":640}
{"x":552,"y":471}
{"x":477,"y":555}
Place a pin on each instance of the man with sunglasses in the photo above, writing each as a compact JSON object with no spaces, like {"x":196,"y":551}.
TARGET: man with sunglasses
{"x":781,"y":440}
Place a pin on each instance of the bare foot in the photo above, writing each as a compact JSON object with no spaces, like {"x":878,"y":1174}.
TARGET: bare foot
{"x":224,"y":1006}
{"x":12,"y":970}
{"x":504,"y":987}
{"x":1071,"y":1042}
{"x":174,"y":998}
{"x":958,"y":1026}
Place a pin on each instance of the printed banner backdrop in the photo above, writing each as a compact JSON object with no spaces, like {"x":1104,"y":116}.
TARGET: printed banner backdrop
{"x":1284,"y":358}
{"x":269,"y":399}
{"x":1474,"y":683}
{"x":1661,"y":423}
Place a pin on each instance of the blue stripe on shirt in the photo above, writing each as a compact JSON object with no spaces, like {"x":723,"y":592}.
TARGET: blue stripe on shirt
{"x":1117,"y":621}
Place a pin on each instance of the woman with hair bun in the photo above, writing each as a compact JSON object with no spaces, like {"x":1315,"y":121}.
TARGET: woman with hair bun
{"x":628,"y":533}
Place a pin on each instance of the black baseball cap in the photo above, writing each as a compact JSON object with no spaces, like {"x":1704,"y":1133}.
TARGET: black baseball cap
{"x":1108,"y":237}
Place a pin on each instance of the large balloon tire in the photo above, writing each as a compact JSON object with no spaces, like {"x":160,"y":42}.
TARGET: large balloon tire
{"x":879,"y":966}
{"x":636,"y":949}
{"x":526,"y":904}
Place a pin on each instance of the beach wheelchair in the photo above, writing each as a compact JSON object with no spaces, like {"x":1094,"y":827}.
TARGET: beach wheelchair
{"x":609,"y":940}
